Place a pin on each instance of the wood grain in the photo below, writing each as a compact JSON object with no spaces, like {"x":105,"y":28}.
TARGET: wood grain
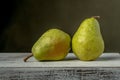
{"x":12,"y":67}
{"x":90,"y":73}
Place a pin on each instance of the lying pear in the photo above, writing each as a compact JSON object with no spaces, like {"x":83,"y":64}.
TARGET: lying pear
{"x":54,"y":44}
{"x":87,"y":42}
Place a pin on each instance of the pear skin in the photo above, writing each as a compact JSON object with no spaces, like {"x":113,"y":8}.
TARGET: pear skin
{"x":54,"y":44}
{"x":87,"y":42}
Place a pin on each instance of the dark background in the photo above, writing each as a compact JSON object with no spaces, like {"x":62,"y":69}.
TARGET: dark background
{"x":23,"y":21}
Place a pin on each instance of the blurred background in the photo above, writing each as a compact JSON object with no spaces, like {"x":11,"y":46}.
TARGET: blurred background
{"x":24,"y":21}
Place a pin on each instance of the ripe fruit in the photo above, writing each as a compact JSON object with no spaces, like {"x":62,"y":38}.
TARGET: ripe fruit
{"x":54,"y":44}
{"x":87,"y":42}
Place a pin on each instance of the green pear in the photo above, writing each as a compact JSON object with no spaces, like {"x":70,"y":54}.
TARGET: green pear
{"x":54,"y":44}
{"x":87,"y":42}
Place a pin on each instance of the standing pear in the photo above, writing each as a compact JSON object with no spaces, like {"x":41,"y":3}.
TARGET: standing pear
{"x":87,"y":42}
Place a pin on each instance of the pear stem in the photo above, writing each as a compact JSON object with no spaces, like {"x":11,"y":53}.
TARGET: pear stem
{"x":96,"y":17}
{"x":26,"y":58}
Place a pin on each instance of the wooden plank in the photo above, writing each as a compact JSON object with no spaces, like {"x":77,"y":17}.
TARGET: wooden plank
{"x":106,"y":67}
{"x":16,"y":60}
{"x":91,"y":73}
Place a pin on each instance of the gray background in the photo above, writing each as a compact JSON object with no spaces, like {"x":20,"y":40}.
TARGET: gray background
{"x":31,"y":18}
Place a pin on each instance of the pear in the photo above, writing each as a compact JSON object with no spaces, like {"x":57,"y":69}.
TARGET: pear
{"x":87,"y":42}
{"x":54,"y":44}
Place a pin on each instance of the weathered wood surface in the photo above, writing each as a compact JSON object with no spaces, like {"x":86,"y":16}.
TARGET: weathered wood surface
{"x":12,"y":67}
{"x":91,"y":73}
{"x":16,"y":60}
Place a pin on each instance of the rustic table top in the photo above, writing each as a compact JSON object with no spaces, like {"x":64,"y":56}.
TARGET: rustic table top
{"x":16,"y":60}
